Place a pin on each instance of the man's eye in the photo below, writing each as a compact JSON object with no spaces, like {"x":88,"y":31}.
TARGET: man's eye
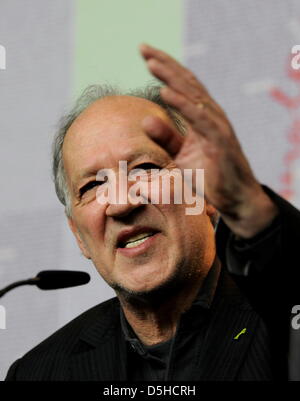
{"x":90,"y":185}
{"x":144,"y":171}
{"x":147,"y":166}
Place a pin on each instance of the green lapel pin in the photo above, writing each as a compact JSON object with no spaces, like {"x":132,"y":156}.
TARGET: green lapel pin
{"x":240,"y":333}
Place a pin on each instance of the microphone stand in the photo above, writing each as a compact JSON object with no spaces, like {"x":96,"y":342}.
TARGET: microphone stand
{"x":30,"y":281}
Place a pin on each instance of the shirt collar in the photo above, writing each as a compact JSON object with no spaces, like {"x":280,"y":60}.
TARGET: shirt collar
{"x":206,"y":292}
{"x":203,"y":300}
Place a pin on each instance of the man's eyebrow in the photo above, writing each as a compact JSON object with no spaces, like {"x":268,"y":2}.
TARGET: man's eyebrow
{"x":85,"y":174}
{"x":131,"y":158}
{"x":153,"y":153}
{"x":144,"y":153}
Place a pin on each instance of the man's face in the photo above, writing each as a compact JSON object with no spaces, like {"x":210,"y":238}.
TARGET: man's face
{"x":171,"y":245}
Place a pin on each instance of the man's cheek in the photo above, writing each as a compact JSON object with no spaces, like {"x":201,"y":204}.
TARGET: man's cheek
{"x":91,"y":224}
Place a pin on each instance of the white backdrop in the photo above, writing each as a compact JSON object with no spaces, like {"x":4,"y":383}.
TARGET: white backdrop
{"x":35,"y":91}
{"x":240,"y":50}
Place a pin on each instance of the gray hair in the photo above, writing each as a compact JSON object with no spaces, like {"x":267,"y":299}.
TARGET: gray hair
{"x":89,"y":96}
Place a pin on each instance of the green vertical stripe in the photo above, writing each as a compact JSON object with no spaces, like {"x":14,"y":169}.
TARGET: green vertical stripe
{"x":108,"y":33}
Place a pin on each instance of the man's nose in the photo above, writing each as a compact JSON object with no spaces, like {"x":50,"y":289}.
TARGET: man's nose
{"x":121,"y":210}
{"x":126,"y":203}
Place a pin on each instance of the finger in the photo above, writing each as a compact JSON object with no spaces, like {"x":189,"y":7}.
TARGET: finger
{"x":173,"y":98}
{"x":181,"y":81}
{"x":163,"y":134}
{"x":173,"y":73}
{"x":205,"y":121}
{"x":148,"y":52}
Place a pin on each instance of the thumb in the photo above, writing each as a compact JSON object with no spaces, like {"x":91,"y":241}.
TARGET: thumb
{"x":163,"y":134}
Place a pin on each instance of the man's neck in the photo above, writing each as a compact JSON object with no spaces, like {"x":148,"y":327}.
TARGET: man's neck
{"x":158,"y":323}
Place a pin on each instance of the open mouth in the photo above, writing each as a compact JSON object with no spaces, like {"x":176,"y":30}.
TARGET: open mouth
{"x":136,"y":240}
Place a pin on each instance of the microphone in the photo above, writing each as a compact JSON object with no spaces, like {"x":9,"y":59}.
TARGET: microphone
{"x":52,"y":280}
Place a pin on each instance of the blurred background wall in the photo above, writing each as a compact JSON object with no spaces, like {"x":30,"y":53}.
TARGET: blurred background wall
{"x":54,"y":49}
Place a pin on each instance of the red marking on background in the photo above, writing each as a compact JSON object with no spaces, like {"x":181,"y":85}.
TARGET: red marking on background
{"x":292,"y":104}
{"x":285,"y":100}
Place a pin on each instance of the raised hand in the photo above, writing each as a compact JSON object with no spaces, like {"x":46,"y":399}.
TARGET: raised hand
{"x":211,"y":144}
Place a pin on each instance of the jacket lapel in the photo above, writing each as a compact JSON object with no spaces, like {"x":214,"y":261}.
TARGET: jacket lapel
{"x":226,"y":341}
{"x":100,"y":354}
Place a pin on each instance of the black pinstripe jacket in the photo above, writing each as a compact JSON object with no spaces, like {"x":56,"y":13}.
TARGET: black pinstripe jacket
{"x":92,"y":346}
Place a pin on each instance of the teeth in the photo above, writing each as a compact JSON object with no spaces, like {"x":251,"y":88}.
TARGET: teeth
{"x":139,"y":240}
{"x":139,"y":236}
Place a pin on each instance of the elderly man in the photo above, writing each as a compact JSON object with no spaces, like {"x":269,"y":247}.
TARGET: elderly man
{"x":188,"y":307}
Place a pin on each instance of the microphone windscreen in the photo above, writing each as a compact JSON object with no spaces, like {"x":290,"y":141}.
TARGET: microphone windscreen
{"x":53,"y":279}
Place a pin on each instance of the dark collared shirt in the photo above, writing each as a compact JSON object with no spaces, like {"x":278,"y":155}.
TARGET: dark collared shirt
{"x":159,"y":362}
{"x":175,"y":359}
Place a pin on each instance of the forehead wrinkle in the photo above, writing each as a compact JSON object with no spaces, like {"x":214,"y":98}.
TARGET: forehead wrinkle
{"x":132,"y":156}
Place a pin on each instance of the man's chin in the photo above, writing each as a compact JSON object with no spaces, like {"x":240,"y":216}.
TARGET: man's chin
{"x":155,"y":294}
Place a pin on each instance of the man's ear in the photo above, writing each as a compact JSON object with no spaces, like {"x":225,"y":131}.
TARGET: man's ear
{"x":212,"y":213}
{"x":79,"y":240}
